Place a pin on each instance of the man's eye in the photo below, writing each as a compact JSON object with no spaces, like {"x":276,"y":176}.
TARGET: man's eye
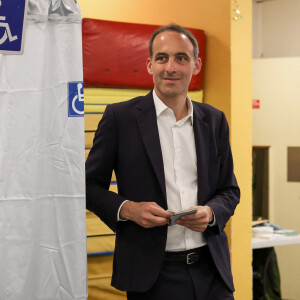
{"x":182,"y":58}
{"x":161,"y":58}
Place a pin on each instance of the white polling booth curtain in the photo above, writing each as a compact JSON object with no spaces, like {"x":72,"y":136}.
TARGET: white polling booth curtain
{"x":42,"y":190}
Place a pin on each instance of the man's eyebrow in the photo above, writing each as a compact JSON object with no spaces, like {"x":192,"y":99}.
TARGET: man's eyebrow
{"x":161,"y":53}
{"x":176,"y":54}
{"x":182,"y":53}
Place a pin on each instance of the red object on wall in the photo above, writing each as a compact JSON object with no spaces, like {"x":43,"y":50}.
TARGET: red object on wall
{"x":115,"y":54}
{"x":255,"y":104}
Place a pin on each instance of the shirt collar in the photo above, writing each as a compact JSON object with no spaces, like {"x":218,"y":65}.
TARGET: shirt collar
{"x":160,"y":106}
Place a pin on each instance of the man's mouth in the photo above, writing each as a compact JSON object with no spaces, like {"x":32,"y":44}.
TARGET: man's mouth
{"x":171,"y":79}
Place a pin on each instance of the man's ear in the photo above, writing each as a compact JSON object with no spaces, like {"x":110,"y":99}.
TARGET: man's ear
{"x":149,"y":66}
{"x":197,"y":66}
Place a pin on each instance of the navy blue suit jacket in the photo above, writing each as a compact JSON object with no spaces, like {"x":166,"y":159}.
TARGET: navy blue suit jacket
{"x":127,"y":141}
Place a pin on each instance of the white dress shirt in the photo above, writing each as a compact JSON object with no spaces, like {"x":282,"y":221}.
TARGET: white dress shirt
{"x":177,"y":142}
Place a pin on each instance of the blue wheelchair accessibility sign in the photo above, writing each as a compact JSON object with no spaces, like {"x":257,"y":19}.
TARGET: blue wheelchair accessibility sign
{"x":12,"y":17}
{"x":76,"y":99}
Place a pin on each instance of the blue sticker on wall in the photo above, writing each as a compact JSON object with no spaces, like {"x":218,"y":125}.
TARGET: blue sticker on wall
{"x":76,"y":99}
{"x":12,"y":19}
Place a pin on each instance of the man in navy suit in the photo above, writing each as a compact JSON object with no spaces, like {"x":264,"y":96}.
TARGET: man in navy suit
{"x":169,"y":154}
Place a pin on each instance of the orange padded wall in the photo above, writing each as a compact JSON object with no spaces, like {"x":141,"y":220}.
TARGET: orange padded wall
{"x":115,"y":54}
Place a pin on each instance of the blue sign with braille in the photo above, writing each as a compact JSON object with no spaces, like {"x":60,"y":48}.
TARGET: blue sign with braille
{"x":76,"y":99}
{"x":12,"y":16}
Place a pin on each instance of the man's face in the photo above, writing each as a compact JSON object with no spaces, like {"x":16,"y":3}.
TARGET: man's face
{"x":172,"y":64}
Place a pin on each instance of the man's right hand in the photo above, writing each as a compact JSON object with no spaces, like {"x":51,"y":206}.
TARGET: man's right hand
{"x":145,"y":214}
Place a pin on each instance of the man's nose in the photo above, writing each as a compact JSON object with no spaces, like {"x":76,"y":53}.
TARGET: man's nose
{"x":171,"y":66}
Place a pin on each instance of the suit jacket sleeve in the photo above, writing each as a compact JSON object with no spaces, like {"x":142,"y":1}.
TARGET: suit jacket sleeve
{"x":227,"y":194}
{"x":99,"y":166}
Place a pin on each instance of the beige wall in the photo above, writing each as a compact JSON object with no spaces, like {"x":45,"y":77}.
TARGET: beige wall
{"x":276,"y":27}
{"x":277,"y":124}
{"x":227,"y":85}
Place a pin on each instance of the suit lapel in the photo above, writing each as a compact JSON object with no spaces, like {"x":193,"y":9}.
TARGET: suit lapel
{"x":147,"y":122}
{"x":202,"y":137}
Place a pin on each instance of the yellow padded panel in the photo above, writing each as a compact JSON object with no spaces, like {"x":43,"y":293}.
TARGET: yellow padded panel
{"x":103,"y":243}
{"x":99,"y":278}
{"x":113,"y":178}
{"x":87,"y":151}
{"x":91,"y":121}
{"x":114,"y":95}
{"x":94,"y":108}
{"x":89,"y":137}
{"x":104,"y":269}
{"x":95,"y":226}
{"x":100,"y":288}
{"x":113,"y":188}
{"x":96,"y":99}
{"x":196,"y":95}
{"x":110,"y":95}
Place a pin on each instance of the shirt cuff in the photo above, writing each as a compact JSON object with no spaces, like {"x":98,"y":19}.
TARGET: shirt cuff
{"x":214,"y":221}
{"x":118,"y":214}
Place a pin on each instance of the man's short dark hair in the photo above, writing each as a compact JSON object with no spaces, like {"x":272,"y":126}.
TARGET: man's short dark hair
{"x":175,"y":28}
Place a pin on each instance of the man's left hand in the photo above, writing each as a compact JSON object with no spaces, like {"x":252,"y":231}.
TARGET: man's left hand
{"x":199,"y":220}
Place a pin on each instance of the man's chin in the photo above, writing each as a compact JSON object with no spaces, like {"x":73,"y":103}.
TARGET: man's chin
{"x":170,"y":93}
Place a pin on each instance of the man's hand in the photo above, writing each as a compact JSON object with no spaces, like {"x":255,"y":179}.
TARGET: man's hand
{"x":145,"y":214}
{"x":199,"y":220}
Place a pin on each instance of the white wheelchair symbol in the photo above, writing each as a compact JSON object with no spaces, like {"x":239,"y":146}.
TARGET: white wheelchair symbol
{"x":7,"y":32}
{"x":80,"y":97}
